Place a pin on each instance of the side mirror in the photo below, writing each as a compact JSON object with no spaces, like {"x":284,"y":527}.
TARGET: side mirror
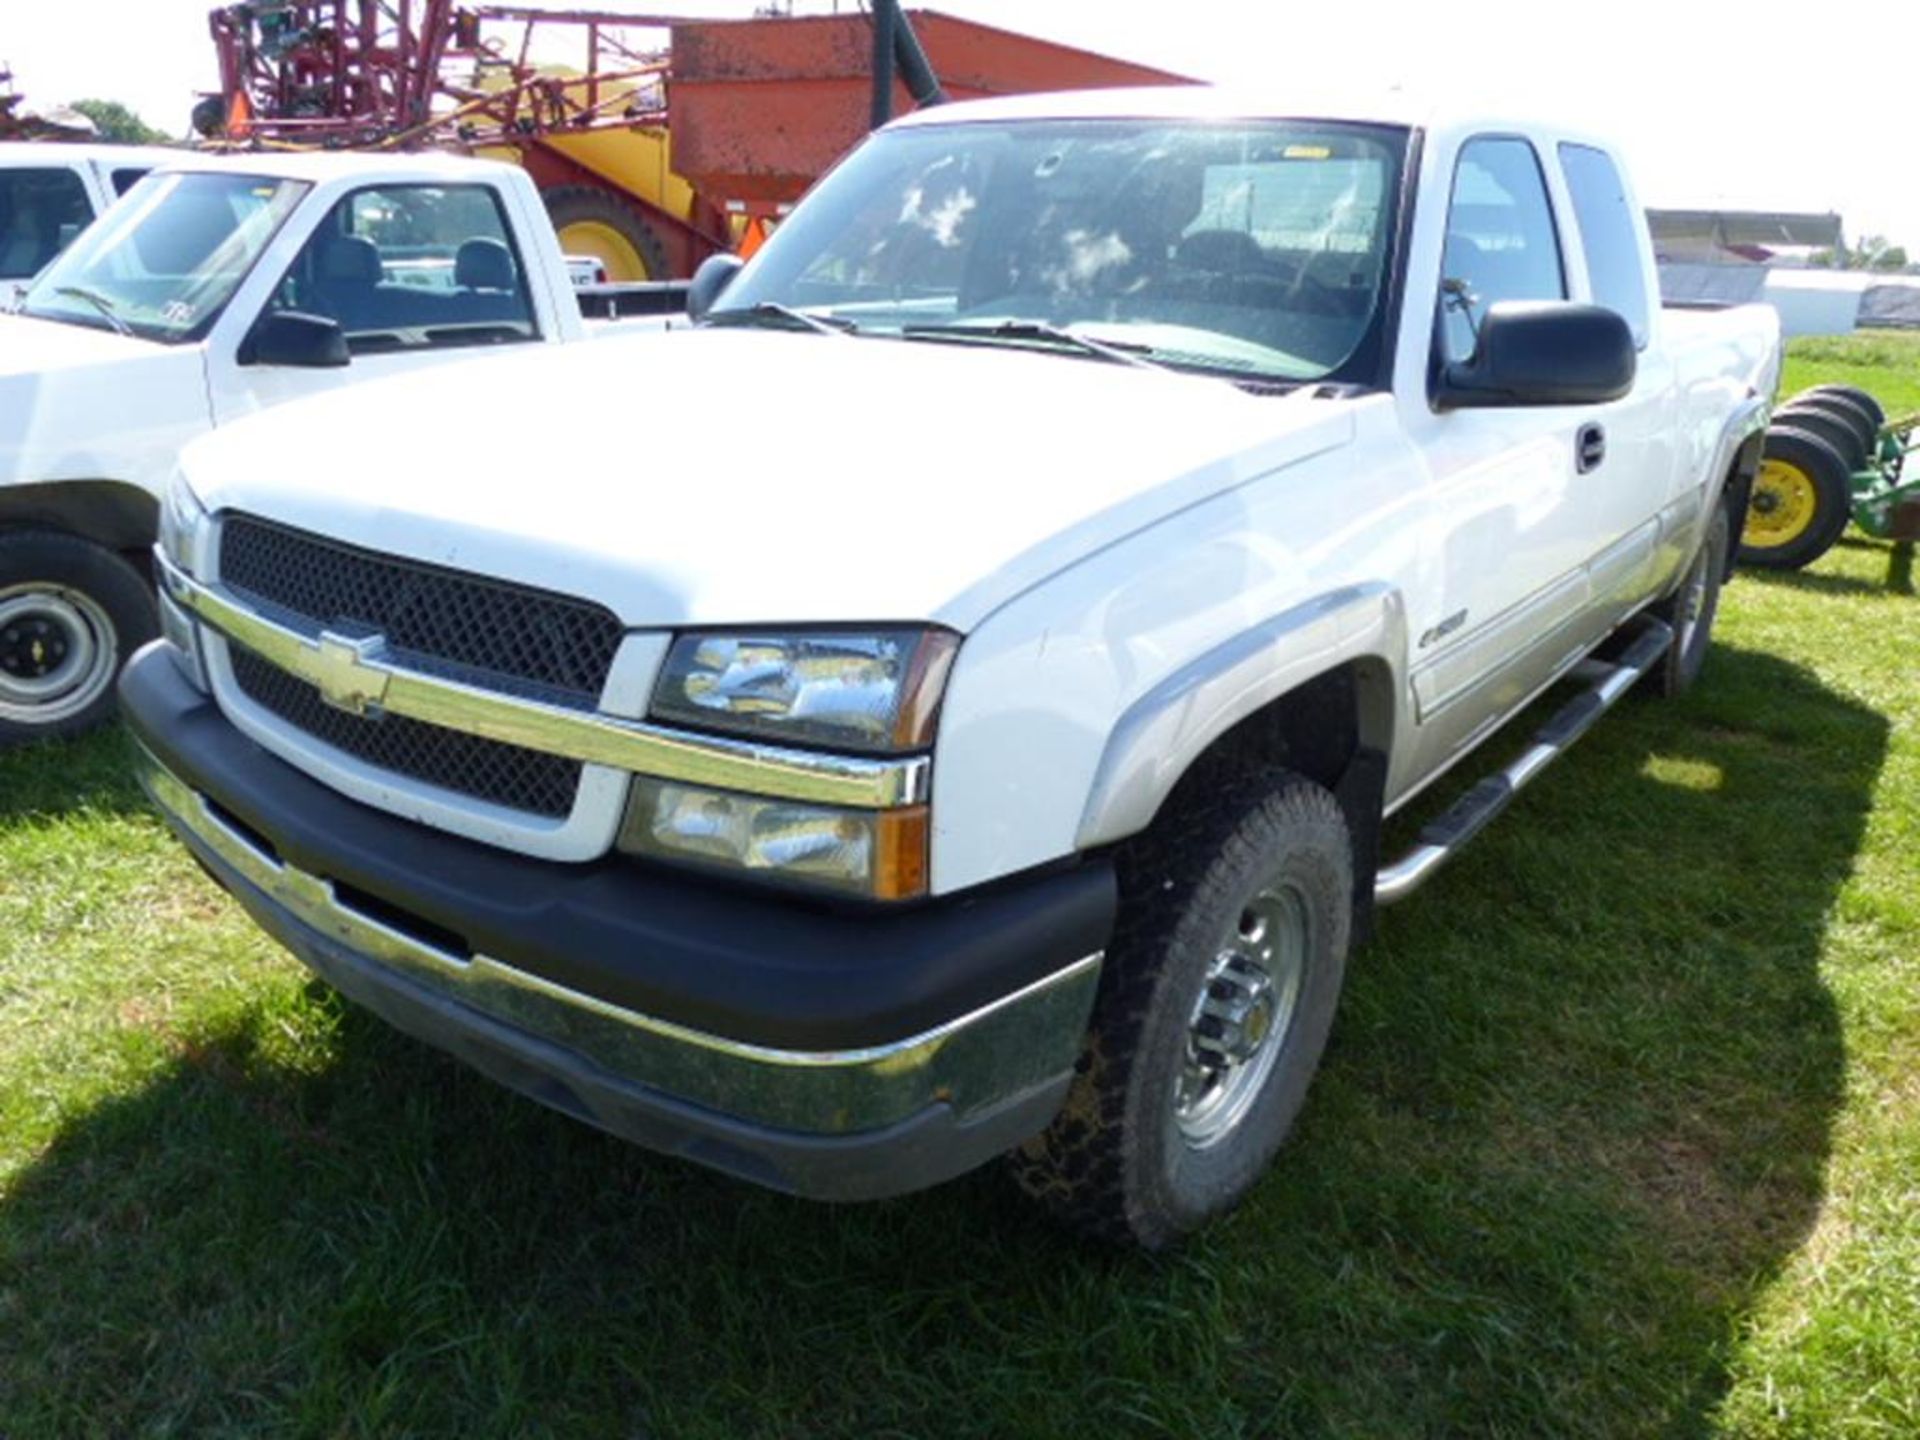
{"x":291,"y":337}
{"x":1549,"y":352}
{"x":710,"y":282}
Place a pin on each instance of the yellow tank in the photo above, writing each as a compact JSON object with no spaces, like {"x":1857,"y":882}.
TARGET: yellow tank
{"x":635,"y":162}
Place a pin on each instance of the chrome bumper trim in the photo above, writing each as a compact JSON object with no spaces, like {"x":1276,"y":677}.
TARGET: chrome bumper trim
{"x":333,"y":665}
{"x":1008,"y":1047}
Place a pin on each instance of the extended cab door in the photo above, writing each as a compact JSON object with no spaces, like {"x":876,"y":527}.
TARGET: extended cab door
{"x":413,"y":274}
{"x":1634,"y":437}
{"x":1511,"y":530}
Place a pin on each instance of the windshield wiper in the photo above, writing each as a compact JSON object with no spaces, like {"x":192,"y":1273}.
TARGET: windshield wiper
{"x":99,"y":302}
{"x":1118,"y":352}
{"x":766,"y":310}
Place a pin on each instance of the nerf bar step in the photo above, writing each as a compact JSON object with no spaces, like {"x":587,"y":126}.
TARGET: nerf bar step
{"x":1447,"y":833}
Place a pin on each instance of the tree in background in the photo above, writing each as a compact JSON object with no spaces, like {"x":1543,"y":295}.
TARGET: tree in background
{"x":117,"y":123}
{"x":1873,"y":252}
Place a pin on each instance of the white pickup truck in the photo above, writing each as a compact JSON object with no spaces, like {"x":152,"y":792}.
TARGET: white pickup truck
{"x":215,"y":288}
{"x":50,"y":192}
{"x":1154,"y":493}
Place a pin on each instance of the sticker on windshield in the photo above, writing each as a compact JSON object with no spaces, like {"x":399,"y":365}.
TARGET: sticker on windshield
{"x":177,"y":312}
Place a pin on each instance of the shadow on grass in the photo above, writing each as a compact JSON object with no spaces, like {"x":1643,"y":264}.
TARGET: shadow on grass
{"x":1576,"y":1114}
{"x":61,"y":777}
{"x":1820,"y":582}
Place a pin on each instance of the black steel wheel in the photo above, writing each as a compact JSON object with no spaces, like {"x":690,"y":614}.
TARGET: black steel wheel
{"x":70,"y":615}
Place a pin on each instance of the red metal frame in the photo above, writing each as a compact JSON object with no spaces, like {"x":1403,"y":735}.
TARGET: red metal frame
{"x":401,"y":73}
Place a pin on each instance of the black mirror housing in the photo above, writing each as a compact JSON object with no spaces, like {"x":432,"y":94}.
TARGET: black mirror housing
{"x":292,"y":337}
{"x":1542,"y":352}
{"x":710,"y":282}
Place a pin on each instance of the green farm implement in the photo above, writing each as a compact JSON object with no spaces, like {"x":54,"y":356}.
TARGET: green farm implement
{"x":1832,"y":456}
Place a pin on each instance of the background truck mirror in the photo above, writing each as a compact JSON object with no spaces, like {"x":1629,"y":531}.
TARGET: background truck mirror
{"x":291,"y":337}
{"x":1542,"y":353}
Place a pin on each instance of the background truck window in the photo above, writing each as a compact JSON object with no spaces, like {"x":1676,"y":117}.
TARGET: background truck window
{"x":1501,"y":242}
{"x":413,"y":266}
{"x":41,"y":212}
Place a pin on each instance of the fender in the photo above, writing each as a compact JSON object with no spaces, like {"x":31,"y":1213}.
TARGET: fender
{"x":111,"y":513}
{"x":1729,"y":475}
{"x":1163,"y":732}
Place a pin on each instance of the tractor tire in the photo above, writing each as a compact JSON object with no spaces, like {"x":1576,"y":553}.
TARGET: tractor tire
{"x":1214,"y":1007}
{"x":591,"y":221}
{"x":1802,"y":501}
{"x":1866,"y":429}
{"x":71,"y":612}
{"x":1854,"y":393}
{"x":1838,"y":430}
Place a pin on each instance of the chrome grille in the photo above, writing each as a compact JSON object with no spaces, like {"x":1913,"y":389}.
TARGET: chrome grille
{"x":488,"y":633}
{"x":504,"y":636}
{"x":509,"y":775}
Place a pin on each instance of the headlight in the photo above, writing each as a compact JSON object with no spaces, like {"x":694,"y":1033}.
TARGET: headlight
{"x":873,"y":692}
{"x":183,"y":520}
{"x":877,"y":854}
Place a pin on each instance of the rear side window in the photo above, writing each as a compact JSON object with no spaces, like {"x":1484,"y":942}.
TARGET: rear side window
{"x":1501,"y":242}
{"x":126,"y":177}
{"x":410,"y":267}
{"x":1607,"y":231}
{"x":41,"y":213}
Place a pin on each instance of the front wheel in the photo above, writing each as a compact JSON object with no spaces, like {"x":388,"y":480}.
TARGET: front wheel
{"x":70,"y":614}
{"x":1214,"y":1008}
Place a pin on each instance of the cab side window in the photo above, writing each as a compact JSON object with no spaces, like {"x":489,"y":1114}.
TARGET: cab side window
{"x":41,"y":212}
{"x":1501,"y":242}
{"x":412,"y":267}
{"x":1609,"y":235}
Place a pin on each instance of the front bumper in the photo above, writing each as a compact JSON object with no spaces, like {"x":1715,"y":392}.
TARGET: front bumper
{"x":837,"y":1055}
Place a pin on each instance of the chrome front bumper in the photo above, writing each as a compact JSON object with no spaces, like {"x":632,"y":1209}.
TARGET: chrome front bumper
{"x":845,"y":1124}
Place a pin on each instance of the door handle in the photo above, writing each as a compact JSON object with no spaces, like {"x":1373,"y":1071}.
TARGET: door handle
{"x":1590,"y":448}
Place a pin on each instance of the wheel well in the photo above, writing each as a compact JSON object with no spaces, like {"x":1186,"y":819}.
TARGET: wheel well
{"x":1737,"y":490}
{"x":111,"y":513}
{"x":1336,"y":730}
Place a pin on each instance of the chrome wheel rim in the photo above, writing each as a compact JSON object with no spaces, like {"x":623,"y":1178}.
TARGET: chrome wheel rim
{"x":57,"y":654}
{"x":1240,"y":1020}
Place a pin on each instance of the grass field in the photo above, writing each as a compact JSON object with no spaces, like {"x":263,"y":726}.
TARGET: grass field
{"x":1619,"y":1135}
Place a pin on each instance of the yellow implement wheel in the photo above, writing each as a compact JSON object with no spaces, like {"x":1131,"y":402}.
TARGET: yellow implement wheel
{"x":623,"y":263}
{"x":600,"y":223}
{"x":1784,"y":504}
{"x":1802,"y":499}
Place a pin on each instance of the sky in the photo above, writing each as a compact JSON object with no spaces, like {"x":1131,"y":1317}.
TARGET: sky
{"x":1712,"y":105}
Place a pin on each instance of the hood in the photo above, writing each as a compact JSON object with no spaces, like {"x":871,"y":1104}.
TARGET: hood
{"x":715,"y":477}
{"x":29,"y":346}
{"x":83,"y":404}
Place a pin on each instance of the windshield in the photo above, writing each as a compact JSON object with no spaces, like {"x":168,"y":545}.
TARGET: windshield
{"x":1254,"y":249}
{"x":164,"y":261}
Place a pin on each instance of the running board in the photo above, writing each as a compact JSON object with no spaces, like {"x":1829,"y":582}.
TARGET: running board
{"x":1447,"y":833}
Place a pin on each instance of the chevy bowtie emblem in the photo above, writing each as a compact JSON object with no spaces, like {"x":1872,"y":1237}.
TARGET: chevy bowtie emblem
{"x":347,"y":672}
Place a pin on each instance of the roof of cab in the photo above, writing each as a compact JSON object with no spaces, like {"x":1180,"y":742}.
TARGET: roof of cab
{"x":319,"y":166}
{"x":27,"y":154}
{"x":1185,"y":102}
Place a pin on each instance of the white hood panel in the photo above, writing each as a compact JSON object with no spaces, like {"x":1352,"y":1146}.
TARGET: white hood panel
{"x":730,"y":477}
